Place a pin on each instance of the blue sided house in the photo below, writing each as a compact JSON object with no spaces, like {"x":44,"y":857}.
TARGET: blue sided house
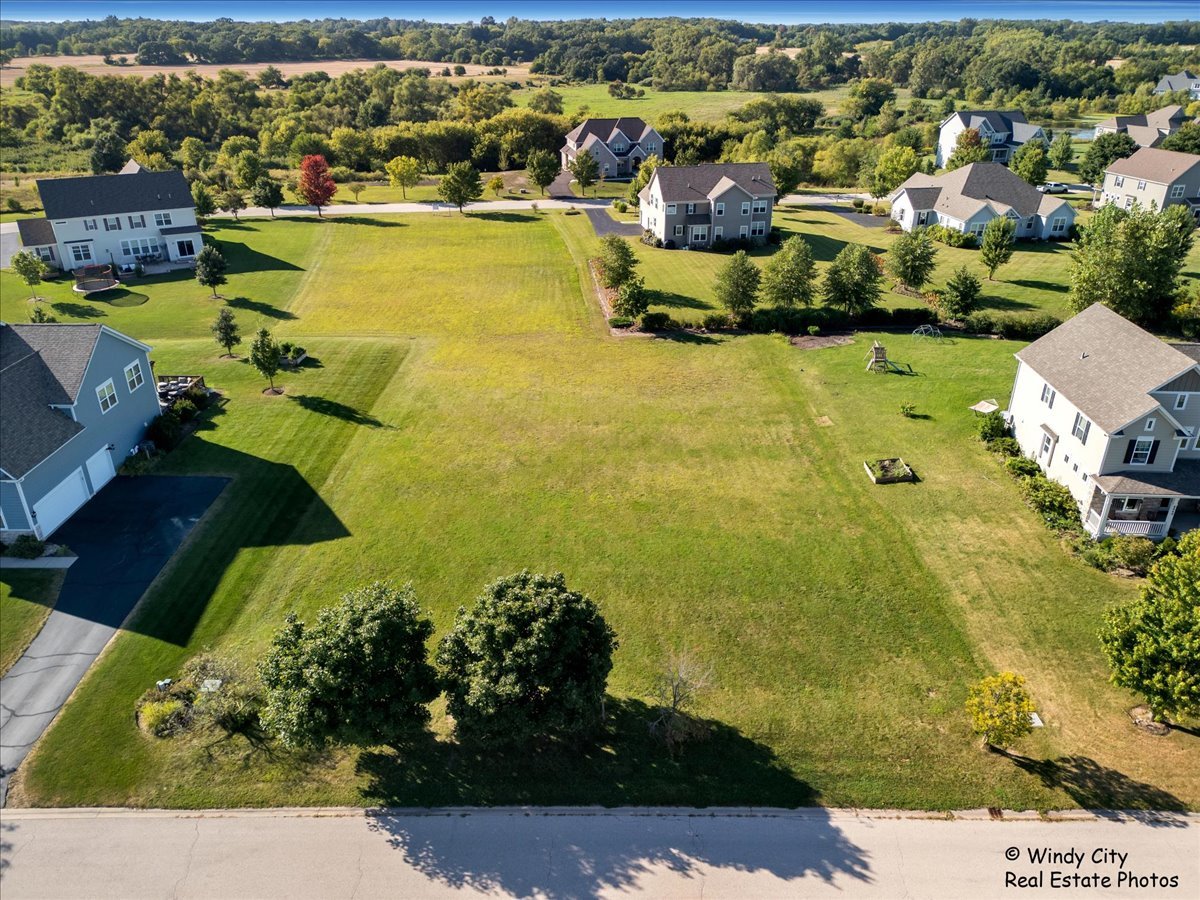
{"x":75,"y":400}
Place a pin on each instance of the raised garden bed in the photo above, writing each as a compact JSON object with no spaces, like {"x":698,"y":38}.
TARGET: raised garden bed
{"x":889,"y":471}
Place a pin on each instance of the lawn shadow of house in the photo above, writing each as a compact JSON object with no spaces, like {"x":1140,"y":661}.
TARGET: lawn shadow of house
{"x":659,"y":297}
{"x":525,"y":217}
{"x":1096,"y":787}
{"x":326,"y":407}
{"x":79,"y":310}
{"x":627,"y":767}
{"x":257,"y":306}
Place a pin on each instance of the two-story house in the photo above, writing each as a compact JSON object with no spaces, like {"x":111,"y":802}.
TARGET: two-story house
{"x":1161,"y":177}
{"x":133,"y":216}
{"x":692,"y":206}
{"x":620,"y":146}
{"x":1183,"y":81}
{"x":75,"y":400}
{"x":1001,"y":132}
{"x":1113,"y":413}
{"x":1148,"y":129}
{"x":971,"y":196}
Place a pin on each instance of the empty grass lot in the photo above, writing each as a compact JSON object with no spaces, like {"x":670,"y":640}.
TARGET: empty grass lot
{"x":468,"y":415}
{"x":26,"y":598}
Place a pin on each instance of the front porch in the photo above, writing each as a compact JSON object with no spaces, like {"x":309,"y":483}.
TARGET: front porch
{"x":1150,"y":505}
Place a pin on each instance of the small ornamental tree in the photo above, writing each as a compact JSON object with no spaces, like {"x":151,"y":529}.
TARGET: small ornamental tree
{"x":225,"y":330}
{"x":996,"y":248}
{"x":211,"y":267}
{"x":203,"y":200}
{"x":736,"y":287}
{"x":542,"y":166}
{"x":30,"y":268}
{"x":1061,"y":151}
{"x":403,"y":172}
{"x":961,"y":295}
{"x":617,"y":261}
{"x":632,"y":298}
{"x":528,"y":662}
{"x":852,"y":280}
{"x":1000,"y":709}
{"x":356,"y":188}
{"x":789,"y":277}
{"x":232,"y":201}
{"x":264,"y":356}
{"x":1153,"y":643}
{"x":912,"y":258}
{"x":585,"y":170}
{"x":358,"y":675}
{"x":1030,"y":162}
{"x":316,"y":186}
{"x":460,"y":185}
{"x":496,"y":184}
{"x":968,"y":148}
{"x":267,"y":194}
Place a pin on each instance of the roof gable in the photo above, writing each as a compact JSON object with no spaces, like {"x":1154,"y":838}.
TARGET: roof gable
{"x":694,"y":183}
{"x":1153,"y":164}
{"x":100,"y":195}
{"x":630,"y":126}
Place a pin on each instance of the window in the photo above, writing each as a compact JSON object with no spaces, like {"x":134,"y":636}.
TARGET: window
{"x":760,"y":206}
{"x":107,"y":395}
{"x":743,"y":231}
{"x":1181,"y":401}
{"x":1059,"y":225}
{"x":137,"y":221}
{"x":112,"y":224}
{"x":46,"y":254}
{"x":718,"y":232}
{"x":691,"y":208}
{"x":1150,"y":423}
{"x":758,"y":229}
{"x":606,"y":167}
{"x":619,"y":148}
{"x":1176,"y":191}
{"x":161,"y":219}
{"x":1128,"y":202}
{"x":977,"y":229}
{"x":1048,"y":395}
{"x":719,"y":209}
{"x":133,"y":376}
{"x":1047,"y":443}
{"x":1141,"y":452}
{"x":700,"y":233}
{"x":678,"y":230}
{"x":81,"y":252}
{"x":1141,"y":185}
{"x":1081,"y":428}
{"x":135,"y":247}
{"x":185,"y":249}
{"x":1119,"y":181}
{"x":89,"y":224}
{"x":745,"y":209}
{"x":671,"y":208}
{"x":1130,"y":504}
{"x":900,"y":214}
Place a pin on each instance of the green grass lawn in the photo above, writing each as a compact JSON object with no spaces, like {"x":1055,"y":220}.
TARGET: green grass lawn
{"x":26,"y":598}
{"x":468,"y":415}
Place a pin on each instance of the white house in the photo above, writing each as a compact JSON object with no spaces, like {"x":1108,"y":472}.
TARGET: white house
{"x":135,"y":215}
{"x":970,"y":197}
{"x":1113,"y":413}
{"x":620,"y":146}
{"x":1001,"y":132}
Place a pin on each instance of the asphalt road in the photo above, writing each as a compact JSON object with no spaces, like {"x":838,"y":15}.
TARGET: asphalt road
{"x":123,"y":537}
{"x":580,"y":853}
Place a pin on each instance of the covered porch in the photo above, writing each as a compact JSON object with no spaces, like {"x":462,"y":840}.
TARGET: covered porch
{"x":1150,"y":504}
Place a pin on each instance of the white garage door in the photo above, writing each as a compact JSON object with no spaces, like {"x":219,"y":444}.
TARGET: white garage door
{"x":56,"y":507}
{"x":100,"y":469}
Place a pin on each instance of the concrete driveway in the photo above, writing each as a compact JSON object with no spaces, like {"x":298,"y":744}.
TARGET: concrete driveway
{"x":10,"y":242}
{"x":604,"y":224}
{"x":123,"y":536}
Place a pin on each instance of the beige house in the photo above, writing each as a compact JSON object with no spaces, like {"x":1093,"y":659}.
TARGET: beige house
{"x":1113,"y":413}
{"x":1147,"y":130}
{"x":1153,"y":176}
{"x":692,"y":206}
{"x":620,"y":146}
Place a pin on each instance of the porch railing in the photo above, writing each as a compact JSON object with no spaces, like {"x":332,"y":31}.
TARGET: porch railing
{"x":1136,"y":527}
{"x":1093,"y":521}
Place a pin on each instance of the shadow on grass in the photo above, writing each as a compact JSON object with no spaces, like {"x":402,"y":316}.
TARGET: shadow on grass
{"x":504,"y":216}
{"x":257,"y":306}
{"x":1094,"y":786}
{"x":1034,"y":284}
{"x":1005,"y":304}
{"x":685,"y":337}
{"x":367,"y":220}
{"x":244,"y":258}
{"x":677,"y":301}
{"x":78,"y":310}
{"x":826,"y":248}
{"x":628,"y":766}
{"x":326,"y":407}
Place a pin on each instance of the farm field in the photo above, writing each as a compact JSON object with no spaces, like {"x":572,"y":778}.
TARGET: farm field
{"x":468,"y":415}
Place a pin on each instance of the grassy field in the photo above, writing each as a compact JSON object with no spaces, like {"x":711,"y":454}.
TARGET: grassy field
{"x":26,"y":598}
{"x":468,"y":415}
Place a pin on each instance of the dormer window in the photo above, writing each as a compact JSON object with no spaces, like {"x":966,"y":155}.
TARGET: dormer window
{"x":1150,"y":423}
{"x":1181,"y":401}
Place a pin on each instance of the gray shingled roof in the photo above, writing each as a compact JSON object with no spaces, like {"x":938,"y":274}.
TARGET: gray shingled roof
{"x":998,"y":120}
{"x":29,"y":429}
{"x":108,"y":195}
{"x":684,"y":184}
{"x":630,"y":126}
{"x":65,"y":351}
{"x":1182,"y":481}
{"x":963,"y":192}
{"x":1190,"y":350}
{"x":1105,"y":365}
{"x":1181,"y":81}
{"x":35,"y":232}
{"x":1152,"y":164}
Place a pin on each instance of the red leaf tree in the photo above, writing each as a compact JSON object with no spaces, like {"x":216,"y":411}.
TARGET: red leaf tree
{"x":316,"y":185}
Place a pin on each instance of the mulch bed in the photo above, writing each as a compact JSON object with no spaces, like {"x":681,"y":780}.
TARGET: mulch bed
{"x":820,"y":341}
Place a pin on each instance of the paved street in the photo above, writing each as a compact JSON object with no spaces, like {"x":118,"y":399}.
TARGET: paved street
{"x":577,"y":853}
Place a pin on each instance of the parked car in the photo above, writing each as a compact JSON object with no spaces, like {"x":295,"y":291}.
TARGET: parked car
{"x":1053,"y":187}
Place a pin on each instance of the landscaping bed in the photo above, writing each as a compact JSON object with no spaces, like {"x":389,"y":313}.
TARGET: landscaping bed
{"x":889,"y":471}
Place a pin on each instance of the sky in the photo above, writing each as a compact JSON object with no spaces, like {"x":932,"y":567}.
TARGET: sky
{"x":769,"y":11}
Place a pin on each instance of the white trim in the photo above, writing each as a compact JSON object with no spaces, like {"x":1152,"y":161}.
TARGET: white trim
{"x":141,"y":376}
{"x":110,"y":394}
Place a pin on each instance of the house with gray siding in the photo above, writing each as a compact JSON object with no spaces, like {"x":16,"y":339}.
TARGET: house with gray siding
{"x":1153,"y":177}
{"x":620,"y":146}
{"x":1001,"y":133}
{"x":75,"y":400}
{"x":1182,"y":81}
{"x":1113,"y":413}
{"x":970,"y":197}
{"x":692,"y":206}
{"x":133,"y":216}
